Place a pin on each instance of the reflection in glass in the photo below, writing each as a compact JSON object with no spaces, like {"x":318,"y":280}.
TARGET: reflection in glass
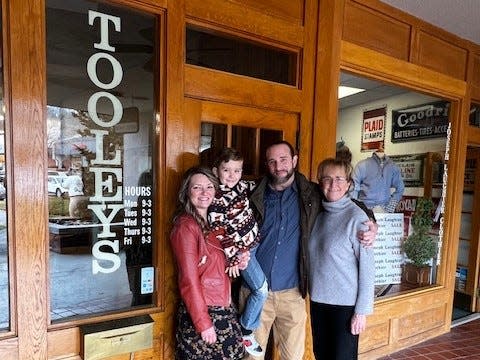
{"x":474,"y":118}
{"x":244,"y":140}
{"x":251,"y":142}
{"x":391,"y":130}
{"x":238,"y":56}
{"x":213,"y":137}
{"x":267,"y":137}
{"x":4,"y":289}
{"x":100,"y":131}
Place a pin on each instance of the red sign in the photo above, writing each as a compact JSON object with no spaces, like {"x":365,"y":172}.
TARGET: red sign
{"x":373,"y":130}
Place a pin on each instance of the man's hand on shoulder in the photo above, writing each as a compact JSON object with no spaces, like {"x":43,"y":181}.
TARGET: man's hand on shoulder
{"x":367,"y":238}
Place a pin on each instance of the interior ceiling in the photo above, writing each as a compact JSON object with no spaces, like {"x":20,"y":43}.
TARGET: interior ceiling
{"x":374,"y":90}
{"x":459,"y":17}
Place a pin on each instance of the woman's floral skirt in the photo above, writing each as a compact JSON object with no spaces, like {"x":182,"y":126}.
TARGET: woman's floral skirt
{"x":190,"y":345}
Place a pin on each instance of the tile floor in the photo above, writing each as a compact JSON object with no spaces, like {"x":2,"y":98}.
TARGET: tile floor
{"x":462,"y":342}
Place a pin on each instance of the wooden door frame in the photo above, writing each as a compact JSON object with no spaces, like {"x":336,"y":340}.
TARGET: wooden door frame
{"x":24,"y":59}
{"x":197,"y":111}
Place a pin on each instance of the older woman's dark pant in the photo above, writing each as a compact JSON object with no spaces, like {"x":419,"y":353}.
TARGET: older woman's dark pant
{"x":332,"y":338}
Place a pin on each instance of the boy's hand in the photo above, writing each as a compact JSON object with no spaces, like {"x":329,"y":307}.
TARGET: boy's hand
{"x":233,"y":271}
{"x":367,"y":238}
{"x":244,"y":258}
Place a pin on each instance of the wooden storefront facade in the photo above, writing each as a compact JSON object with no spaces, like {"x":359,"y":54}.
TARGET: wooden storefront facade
{"x":326,"y":36}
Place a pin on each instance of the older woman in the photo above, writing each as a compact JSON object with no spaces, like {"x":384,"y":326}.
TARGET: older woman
{"x":207,"y":323}
{"x":341,"y":269}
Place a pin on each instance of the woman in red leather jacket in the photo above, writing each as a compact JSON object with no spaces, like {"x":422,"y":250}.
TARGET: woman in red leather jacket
{"x":207,"y":328}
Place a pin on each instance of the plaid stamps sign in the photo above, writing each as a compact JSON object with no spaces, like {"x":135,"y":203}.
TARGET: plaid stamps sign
{"x":373,"y":129}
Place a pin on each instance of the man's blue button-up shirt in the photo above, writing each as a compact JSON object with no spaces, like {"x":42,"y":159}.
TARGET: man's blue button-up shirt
{"x":278,"y":252}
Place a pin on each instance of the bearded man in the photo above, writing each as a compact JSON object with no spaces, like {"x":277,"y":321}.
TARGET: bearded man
{"x":286,"y":204}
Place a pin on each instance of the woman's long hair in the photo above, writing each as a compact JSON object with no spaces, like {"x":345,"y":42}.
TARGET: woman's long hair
{"x":185,"y":205}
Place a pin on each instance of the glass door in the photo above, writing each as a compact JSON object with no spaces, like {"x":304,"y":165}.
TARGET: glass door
{"x":466,"y":278}
{"x":249,"y":130}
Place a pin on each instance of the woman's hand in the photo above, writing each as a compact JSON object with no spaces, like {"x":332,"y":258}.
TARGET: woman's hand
{"x":367,"y":237}
{"x":358,"y":324}
{"x":209,"y":335}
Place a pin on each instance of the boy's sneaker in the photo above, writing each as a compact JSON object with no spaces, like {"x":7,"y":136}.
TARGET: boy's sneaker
{"x":251,"y":345}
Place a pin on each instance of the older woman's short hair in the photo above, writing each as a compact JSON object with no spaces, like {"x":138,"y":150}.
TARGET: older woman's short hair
{"x":331,"y":162}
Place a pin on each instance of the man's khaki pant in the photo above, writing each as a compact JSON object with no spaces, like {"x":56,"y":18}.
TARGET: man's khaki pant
{"x":285,"y":312}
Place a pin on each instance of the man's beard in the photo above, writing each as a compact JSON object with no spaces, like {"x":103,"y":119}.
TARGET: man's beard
{"x":279,"y":180}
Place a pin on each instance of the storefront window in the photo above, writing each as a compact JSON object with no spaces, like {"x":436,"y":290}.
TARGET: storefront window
{"x":398,"y":141}
{"x":100,"y":138}
{"x":4,"y":274}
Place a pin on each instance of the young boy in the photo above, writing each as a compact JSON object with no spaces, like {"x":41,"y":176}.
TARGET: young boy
{"x":232,"y":218}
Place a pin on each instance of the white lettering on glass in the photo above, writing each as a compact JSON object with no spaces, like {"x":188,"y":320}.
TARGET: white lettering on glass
{"x":116,"y":67}
{"x":117,"y":109}
{"x":104,"y":19}
{"x":100,"y":255}
{"x":103,"y":188}
{"x":99,"y":156}
{"x":99,"y":210}
{"x":107,"y":179}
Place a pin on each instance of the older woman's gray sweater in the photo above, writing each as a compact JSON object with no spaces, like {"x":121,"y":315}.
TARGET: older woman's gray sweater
{"x":342,"y":271}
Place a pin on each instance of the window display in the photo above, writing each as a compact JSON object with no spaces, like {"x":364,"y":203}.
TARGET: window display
{"x":398,"y":185}
{"x":100,"y":137}
{"x":378,"y":182}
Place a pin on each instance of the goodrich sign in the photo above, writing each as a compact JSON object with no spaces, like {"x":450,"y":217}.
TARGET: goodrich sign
{"x":420,"y":122}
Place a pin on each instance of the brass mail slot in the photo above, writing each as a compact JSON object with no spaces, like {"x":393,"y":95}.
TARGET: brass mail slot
{"x":115,"y":337}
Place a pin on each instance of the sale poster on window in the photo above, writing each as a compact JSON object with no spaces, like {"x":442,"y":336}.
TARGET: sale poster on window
{"x":388,"y":248}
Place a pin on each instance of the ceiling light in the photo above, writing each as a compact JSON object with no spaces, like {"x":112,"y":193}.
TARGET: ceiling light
{"x":344,"y":91}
